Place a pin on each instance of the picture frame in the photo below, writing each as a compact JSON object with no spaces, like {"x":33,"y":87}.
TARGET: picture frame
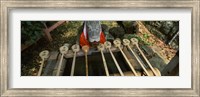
{"x":7,"y":5}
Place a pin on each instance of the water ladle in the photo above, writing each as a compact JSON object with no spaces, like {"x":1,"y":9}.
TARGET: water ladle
{"x":85,"y":49}
{"x":126,"y":43}
{"x":151,"y":73}
{"x":117,"y":44}
{"x":63,"y":50}
{"x":43,"y":55}
{"x":75,"y":49}
{"x":101,"y":48}
{"x":135,"y":42}
{"x":108,"y":45}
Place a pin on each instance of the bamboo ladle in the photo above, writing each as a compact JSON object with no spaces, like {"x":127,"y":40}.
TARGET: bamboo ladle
{"x":107,"y":45}
{"x":126,"y":42}
{"x":117,"y":44}
{"x":135,"y":42}
{"x":151,"y":73}
{"x":75,"y":49}
{"x":63,"y":50}
{"x":43,"y":55}
{"x":85,"y":49}
{"x":101,"y":48}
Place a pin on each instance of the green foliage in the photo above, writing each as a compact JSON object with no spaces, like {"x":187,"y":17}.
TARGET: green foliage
{"x":141,"y":40}
{"x":146,"y":36}
{"x":31,"y":31}
{"x":110,"y":24}
{"x":128,"y":24}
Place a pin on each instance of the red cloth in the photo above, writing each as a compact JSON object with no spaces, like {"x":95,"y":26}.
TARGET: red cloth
{"x":84,"y":41}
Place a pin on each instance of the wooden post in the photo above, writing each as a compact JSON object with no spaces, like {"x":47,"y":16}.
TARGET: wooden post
{"x":48,"y":30}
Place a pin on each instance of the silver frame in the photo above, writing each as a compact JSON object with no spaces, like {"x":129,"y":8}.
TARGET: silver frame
{"x":6,"y":5}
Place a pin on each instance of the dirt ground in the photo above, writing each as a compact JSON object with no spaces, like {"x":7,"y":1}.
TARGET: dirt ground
{"x":165,"y":51}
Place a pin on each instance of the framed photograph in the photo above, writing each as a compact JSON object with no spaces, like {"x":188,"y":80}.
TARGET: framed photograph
{"x":99,"y":48}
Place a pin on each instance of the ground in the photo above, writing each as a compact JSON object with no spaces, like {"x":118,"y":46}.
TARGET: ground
{"x":163,"y":50}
